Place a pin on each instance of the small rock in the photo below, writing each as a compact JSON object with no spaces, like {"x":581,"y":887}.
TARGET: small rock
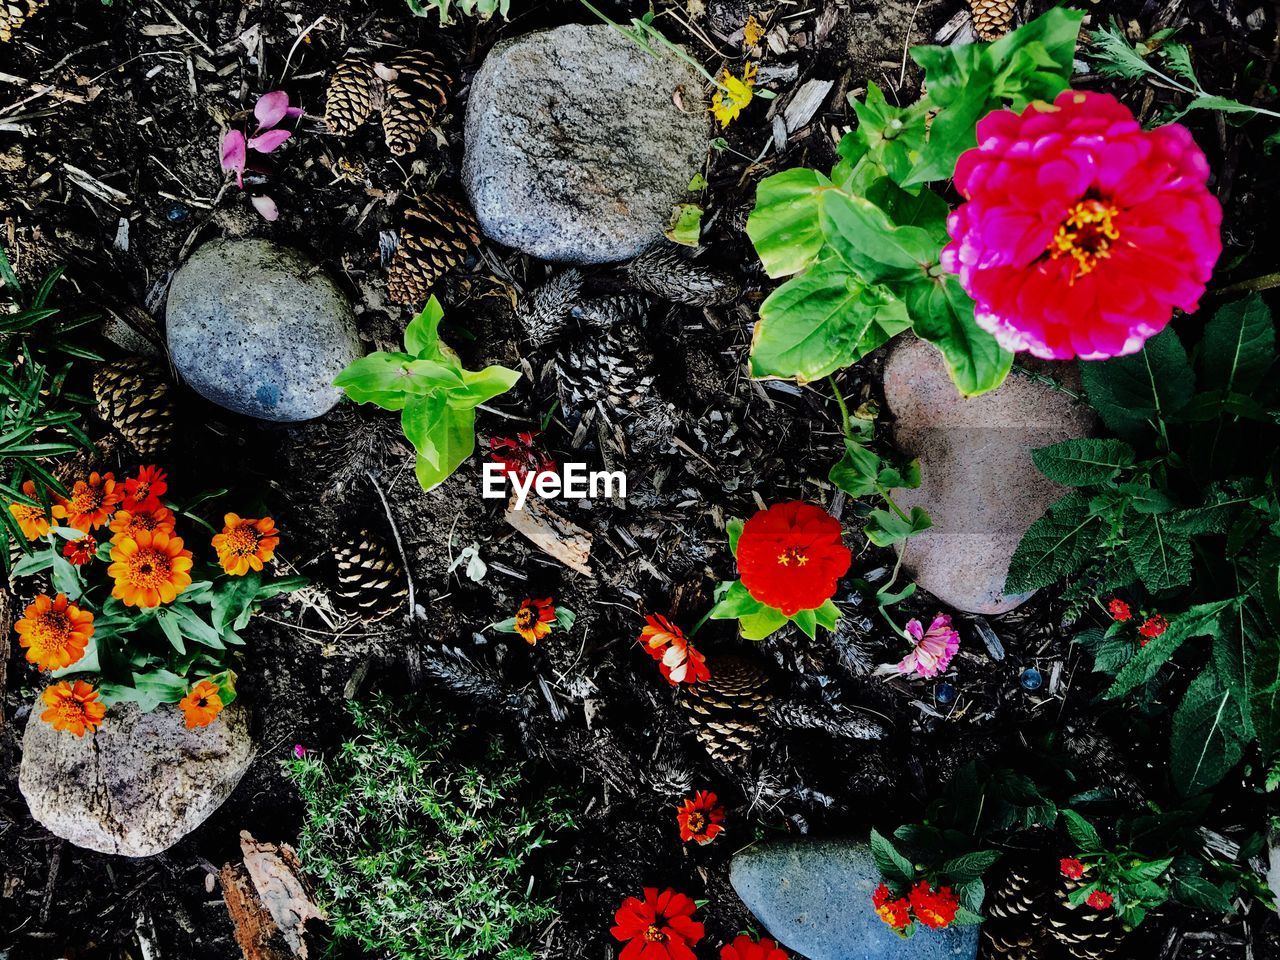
{"x":138,"y":785}
{"x":979,"y":484}
{"x":576,"y":149}
{"x":256,"y":328}
{"x":1273,"y":874}
{"x":814,"y":896}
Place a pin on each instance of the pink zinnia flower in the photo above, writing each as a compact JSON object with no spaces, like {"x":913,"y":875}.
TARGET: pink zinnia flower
{"x":1081,"y":232}
{"x":934,"y":647}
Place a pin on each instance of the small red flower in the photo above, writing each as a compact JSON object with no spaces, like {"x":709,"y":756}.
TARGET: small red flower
{"x":144,"y":491}
{"x":790,"y":556}
{"x":659,"y":927}
{"x":934,"y":908}
{"x":534,"y":619}
{"x":744,"y":948}
{"x":1153,"y":626}
{"x":1071,"y":869}
{"x":1119,"y":610}
{"x":700,"y":819}
{"x":1099,"y":900}
{"x":678,"y":659}
{"x":520,"y":456}
{"x":80,"y":551}
{"x":896,"y":912}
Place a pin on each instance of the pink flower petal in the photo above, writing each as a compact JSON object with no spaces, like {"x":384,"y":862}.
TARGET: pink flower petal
{"x":267,"y":141}
{"x":233,"y":151}
{"x":266,"y":207}
{"x":271,"y":109}
{"x":295,"y":113}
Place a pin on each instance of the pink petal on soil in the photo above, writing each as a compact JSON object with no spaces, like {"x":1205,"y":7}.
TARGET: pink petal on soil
{"x":268,"y":140}
{"x":271,"y":109}
{"x":233,"y":153}
{"x":266,"y":206}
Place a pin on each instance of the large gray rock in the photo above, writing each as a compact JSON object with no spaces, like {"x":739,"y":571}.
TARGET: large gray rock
{"x":256,"y":328}
{"x":979,"y":484}
{"x":814,"y":896}
{"x":139,"y":784}
{"x":575,"y":148}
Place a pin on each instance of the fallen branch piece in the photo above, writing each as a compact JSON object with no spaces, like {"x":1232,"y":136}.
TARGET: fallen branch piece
{"x":269,"y":901}
{"x":558,"y":538}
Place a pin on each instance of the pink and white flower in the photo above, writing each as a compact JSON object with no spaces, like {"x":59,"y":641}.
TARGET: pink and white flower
{"x":933,"y":648}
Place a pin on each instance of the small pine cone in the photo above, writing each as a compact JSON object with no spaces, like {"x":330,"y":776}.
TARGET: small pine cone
{"x":608,"y":372}
{"x":355,"y":91}
{"x":417,"y":89}
{"x":665,"y":273}
{"x":728,"y":711}
{"x":370,"y":581}
{"x":622,"y":309}
{"x":436,"y":238}
{"x":13,"y":14}
{"x":136,"y":400}
{"x":992,"y":19}
{"x":545,"y":312}
{"x":1084,"y":932}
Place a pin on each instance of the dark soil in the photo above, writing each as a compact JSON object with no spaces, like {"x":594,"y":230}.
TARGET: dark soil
{"x":137,"y":104}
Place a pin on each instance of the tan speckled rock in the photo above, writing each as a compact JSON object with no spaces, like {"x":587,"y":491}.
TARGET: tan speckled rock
{"x":979,"y":484}
{"x":138,"y":785}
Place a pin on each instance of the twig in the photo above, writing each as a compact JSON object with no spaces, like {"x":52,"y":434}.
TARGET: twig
{"x":185,"y":29}
{"x":395,"y":531}
{"x":297,"y":40}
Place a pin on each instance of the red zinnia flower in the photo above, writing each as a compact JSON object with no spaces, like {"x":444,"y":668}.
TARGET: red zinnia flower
{"x":659,"y":927}
{"x":1099,"y":900}
{"x":678,"y":659}
{"x":744,"y":948}
{"x":80,"y":551}
{"x":1153,"y":626}
{"x":534,"y":619}
{"x":520,"y":455}
{"x":934,"y":908}
{"x":1119,"y":610}
{"x":700,"y":819}
{"x":1081,"y":232}
{"x":896,"y":912}
{"x":790,"y":556}
{"x":1071,"y":869}
{"x":144,"y":491}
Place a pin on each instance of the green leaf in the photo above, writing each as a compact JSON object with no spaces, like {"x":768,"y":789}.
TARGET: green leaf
{"x":1199,"y":893}
{"x":1132,"y":393}
{"x":380,"y":378}
{"x":1206,"y":737}
{"x":1081,"y":462}
{"x":686,"y":224}
{"x":1264,"y":693}
{"x":443,"y":436}
{"x":737,"y":602}
{"x":233,"y":599}
{"x":857,"y":472}
{"x":758,"y":626}
{"x":1239,"y":346}
{"x":969,"y":867}
{"x":195,"y":628}
{"x":885,"y":528}
{"x":1082,"y":832}
{"x":1202,"y":620}
{"x":785,"y":225}
{"x":1060,"y":543}
{"x":479,"y":386}
{"x":870,"y":245}
{"x":422,"y":335}
{"x":892,"y":137}
{"x":1161,"y":556}
{"x":893,"y":866}
{"x":733,"y":530}
{"x":169,"y":626}
{"x":942,"y":313}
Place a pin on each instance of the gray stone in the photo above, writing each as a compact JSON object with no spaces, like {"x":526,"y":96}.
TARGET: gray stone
{"x":1273,"y":871}
{"x":256,"y":328}
{"x":814,"y":896}
{"x":139,"y":784}
{"x":575,"y":147}
{"x":979,"y":484}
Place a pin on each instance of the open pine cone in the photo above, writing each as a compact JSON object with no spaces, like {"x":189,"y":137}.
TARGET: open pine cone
{"x":410,"y":90}
{"x":371,"y":583}
{"x":436,"y":237}
{"x":135,"y":399}
{"x":728,"y":711}
{"x":992,"y":19}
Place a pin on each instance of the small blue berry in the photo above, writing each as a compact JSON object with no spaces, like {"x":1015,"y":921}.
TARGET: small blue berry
{"x":177,"y":213}
{"x":1031,"y":679}
{"x":945,"y":693}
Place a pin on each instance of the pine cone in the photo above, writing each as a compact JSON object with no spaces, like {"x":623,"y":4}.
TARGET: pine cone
{"x":1017,"y":907}
{"x":436,"y":238}
{"x":355,"y":91}
{"x":415,"y":96}
{"x":992,"y":19}
{"x":665,"y":273}
{"x":370,"y":581}
{"x":603,"y":313}
{"x":136,"y":400}
{"x":13,"y":14}
{"x":1085,"y":933}
{"x":545,"y":312}
{"x":729,"y":710}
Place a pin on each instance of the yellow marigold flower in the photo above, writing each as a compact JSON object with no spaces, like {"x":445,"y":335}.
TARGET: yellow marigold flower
{"x":735,"y":94}
{"x":150,"y":568}
{"x":245,"y":544}
{"x":33,"y":520}
{"x":201,"y":705}
{"x":54,"y":632}
{"x":91,"y":503}
{"x":752,"y":32}
{"x":73,"y":707}
{"x":128,"y":522}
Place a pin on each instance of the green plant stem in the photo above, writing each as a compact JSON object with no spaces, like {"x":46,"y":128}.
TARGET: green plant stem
{"x":652,"y":31}
{"x":705,"y":617}
{"x":845,"y":423}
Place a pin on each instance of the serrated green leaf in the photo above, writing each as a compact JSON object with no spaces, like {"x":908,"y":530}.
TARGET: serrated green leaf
{"x":1239,"y":346}
{"x":1160,"y":554}
{"x":1057,"y":545}
{"x":1205,"y":740}
{"x":1133,"y":392}
{"x":893,"y":866}
{"x":1084,"y":461}
{"x":1202,"y":620}
{"x":1083,"y":834}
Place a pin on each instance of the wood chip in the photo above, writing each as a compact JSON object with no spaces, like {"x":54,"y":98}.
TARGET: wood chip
{"x":560,"y":539}
{"x":805,"y":103}
{"x":269,"y":901}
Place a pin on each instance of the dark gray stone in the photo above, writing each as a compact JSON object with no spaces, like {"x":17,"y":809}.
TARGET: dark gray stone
{"x":814,"y":896}
{"x":137,"y":785}
{"x":257,"y":328}
{"x":575,"y":147}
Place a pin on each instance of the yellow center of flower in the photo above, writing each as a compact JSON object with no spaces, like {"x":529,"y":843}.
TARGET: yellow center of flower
{"x":525,"y":617}
{"x":50,"y":631}
{"x":242,"y":541}
{"x":792,"y":555}
{"x":1086,"y":235}
{"x":149,"y":568}
{"x":697,"y":822}
{"x":69,"y":710}
{"x":26,"y":513}
{"x":654,"y":935}
{"x":86,"y":500}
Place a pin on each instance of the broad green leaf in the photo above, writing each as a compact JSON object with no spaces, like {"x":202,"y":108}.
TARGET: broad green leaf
{"x":1035,"y":62}
{"x":1202,"y":620}
{"x":890,"y":136}
{"x":733,"y":529}
{"x":893,"y":866}
{"x":444,"y":444}
{"x":1084,"y":461}
{"x":857,"y":472}
{"x":969,"y":867}
{"x":173,"y":632}
{"x":422,"y":336}
{"x":480,"y":386}
{"x":1205,"y":740}
{"x":1083,"y":833}
{"x":1132,"y":393}
{"x":1239,"y":346}
{"x":942,"y":313}
{"x":870,"y":245}
{"x":195,"y":628}
{"x":807,"y":621}
{"x":1060,"y":543}
{"x":379,"y":378}
{"x":785,"y":225}
{"x":885,"y":528}
{"x":1264,"y":693}
{"x":737,"y":602}
{"x":758,"y":626}
{"x":1161,"y":555}
{"x":686,"y":225}
{"x":1201,"y":894}
{"x":960,"y":80}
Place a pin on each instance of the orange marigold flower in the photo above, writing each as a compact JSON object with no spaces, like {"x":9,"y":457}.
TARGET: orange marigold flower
{"x":895,"y":911}
{"x":245,"y":544}
{"x":700,"y":819}
{"x":201,"y":705}
{"x":91,"y":503}
{"x":126,"y":523}
{"x":149,"y":568}
{"x":144,"y":491}
{"x":73,"y":707}
{"x":54,"y":632}
{"x":1099,"y":900}
{"x":534,"y":618}
{"x":34,"y":521}
{"x":934,"y":908}
{"x":81,"y":550}
{"x":1071,"y":869}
